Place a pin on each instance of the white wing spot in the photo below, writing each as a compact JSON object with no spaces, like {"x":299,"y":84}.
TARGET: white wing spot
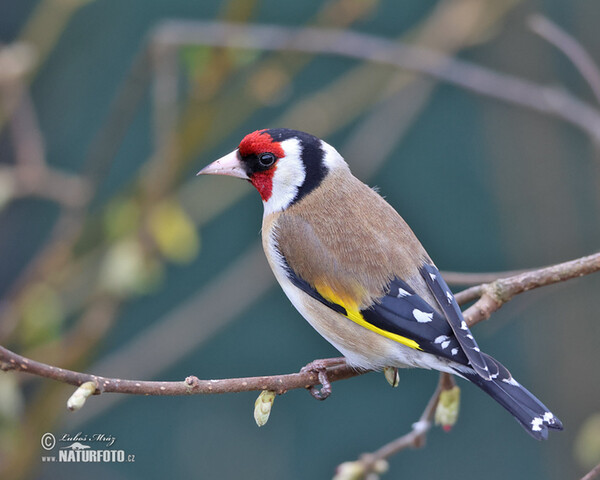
{"x":445,"y":344}
{"x":463,"y":325}
{"x":470,"y":336}
{"x":422,"y":317}
{"x":449,"y":297}
{"x":454,"y":351}
{"x":441,"y":338}
{"x":548,"y":417}
{"x":476,"y":349}
{"x":536,"y":424}
{"x":433,"y":276}
{"x":511,"y":381}
{"x":402,"y":293}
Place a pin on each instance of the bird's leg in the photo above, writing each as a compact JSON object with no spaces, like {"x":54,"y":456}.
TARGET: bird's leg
{"x":320,"y":368}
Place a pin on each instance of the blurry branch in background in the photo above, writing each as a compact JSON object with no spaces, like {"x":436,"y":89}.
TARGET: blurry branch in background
{"x":491,"y":297}
{"x":16,"y":62}
{"x":375,"y":463}
{"x":30,"y":176}
{"x":572,"y":49}
{"x":36,"y":40}
{"x":475,"y":278}
{"x":546,"y":99}
{"x":593,"y":474}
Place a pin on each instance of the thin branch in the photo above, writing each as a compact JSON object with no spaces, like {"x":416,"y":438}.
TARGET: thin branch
{"x":513,"y":277}
{"x":497,"y":293}
{"x":469,"y":294}
{"x":375,"y":462}
{"x":417,"y":435}
{"x":572,"y":49}
{"x":190,"y":386}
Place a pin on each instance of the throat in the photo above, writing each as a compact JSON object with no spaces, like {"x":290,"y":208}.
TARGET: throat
{"x":263,"y":182}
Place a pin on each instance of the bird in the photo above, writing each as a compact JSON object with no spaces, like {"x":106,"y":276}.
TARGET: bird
{"x":354,"y":269}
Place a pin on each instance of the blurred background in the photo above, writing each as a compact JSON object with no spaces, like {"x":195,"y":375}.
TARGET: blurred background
{"x":116,"y":260}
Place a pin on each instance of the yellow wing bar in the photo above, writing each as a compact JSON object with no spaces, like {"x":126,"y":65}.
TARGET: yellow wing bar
{"x":353,"y":313}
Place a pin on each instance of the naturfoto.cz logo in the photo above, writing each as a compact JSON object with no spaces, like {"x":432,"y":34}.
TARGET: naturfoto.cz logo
{"x":77,"y":451}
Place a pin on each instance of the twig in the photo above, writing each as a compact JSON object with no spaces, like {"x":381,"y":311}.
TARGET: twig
{"x":497,"y":293}
{"x":469,"y":294}
{"x":190,"y":386}
{"x":592,"y":474}
{"x":415,"y":438}
{"x":571,"y":48}
{"x":492,"y":281}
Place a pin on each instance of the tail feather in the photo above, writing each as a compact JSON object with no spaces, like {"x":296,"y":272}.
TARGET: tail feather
{"x":532,"y":414}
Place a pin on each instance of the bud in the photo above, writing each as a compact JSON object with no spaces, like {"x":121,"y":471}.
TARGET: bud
{"x":446,"y":412}
{"x":262,"y":407}
{"x":359,"y":470}
{"x":350,"y":471}
{"x":78,"y":398}
{"x":392,"y":376}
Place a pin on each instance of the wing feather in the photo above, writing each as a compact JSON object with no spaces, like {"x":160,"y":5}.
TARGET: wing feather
{"x":455,"y":319}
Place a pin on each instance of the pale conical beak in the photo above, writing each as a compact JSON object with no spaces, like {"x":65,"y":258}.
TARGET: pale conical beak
{"x":230,"y":165}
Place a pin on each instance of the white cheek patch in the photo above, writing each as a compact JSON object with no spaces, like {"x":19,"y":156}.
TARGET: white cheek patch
{"x":288,"y":177}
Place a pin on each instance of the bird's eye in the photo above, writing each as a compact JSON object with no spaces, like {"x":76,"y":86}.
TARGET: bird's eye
{"x":266,"y":159}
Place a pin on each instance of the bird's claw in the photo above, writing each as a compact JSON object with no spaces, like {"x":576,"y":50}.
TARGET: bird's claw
{"x":320,"y":368}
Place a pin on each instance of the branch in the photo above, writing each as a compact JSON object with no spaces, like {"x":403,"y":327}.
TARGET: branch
{"x":494,"y":295}
{"x":415,"y":438}
{"x":582,"y":60}
{"x":190,"y":386}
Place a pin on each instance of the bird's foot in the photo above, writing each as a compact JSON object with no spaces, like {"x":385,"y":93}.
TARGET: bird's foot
{"x":320,"y":368}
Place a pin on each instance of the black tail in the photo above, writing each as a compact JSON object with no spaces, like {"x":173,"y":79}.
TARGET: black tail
{"x":532,"y":414}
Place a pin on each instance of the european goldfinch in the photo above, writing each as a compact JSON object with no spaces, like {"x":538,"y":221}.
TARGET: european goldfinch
{"x":357,"y":273}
